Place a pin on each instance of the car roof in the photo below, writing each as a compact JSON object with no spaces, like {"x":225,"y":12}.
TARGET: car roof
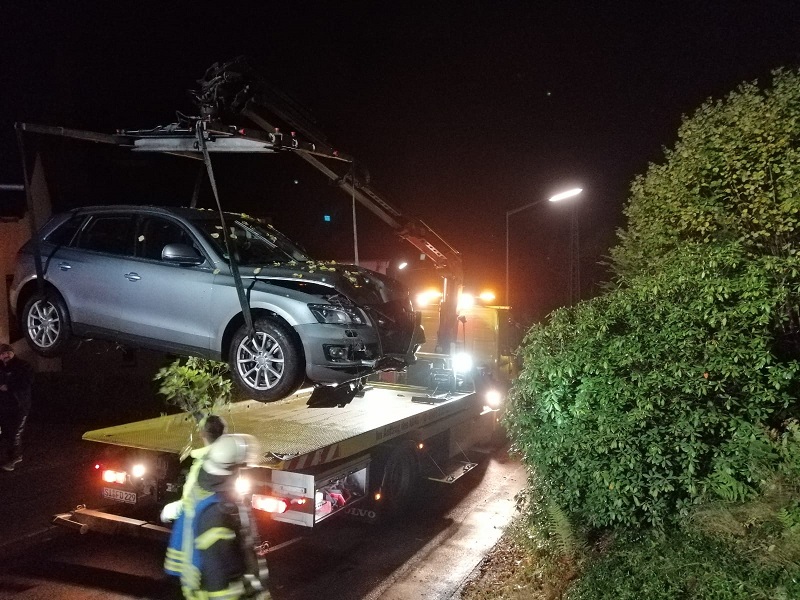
{"x":179,"y":211}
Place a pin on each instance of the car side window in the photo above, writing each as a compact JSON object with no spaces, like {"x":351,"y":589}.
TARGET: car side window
{"x":155,"y":233}
{"x":65,"y":233}
{"x":111,"y":234}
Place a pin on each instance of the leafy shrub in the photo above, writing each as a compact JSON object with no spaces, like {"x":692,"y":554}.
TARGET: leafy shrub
{"x":767,"y":528}
{"x":195,"y":385}
{"x":682,"y":564}
{"x":636,"y":405}
{"x":733,"y":175}
{"x":676,"y":385}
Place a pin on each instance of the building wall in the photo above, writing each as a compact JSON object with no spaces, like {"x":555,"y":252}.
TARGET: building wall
{"x":12,"y":235}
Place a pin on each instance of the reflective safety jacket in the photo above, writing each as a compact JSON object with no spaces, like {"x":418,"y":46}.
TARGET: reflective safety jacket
{"x":205,"y":550}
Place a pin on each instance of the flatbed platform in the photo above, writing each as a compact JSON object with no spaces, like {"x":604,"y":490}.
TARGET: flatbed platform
{"x":294,"y":436}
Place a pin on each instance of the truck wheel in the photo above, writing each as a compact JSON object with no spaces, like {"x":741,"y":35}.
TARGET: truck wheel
{"x":46,"y":324}
{"x":267,"y":366}
{"x":399,"y":481}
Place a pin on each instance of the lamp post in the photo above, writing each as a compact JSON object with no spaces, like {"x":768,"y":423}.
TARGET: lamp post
{"x":513,"y":211}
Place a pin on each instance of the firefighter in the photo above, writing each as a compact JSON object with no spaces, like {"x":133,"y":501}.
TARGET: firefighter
{"x":212,"y":547}
{"x":211,"y":427}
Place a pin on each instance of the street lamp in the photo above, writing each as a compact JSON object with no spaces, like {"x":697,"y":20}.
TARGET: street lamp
{"x":556,"y":198}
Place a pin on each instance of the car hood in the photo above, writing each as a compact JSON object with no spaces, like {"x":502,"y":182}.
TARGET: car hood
{"x":362,"y":286}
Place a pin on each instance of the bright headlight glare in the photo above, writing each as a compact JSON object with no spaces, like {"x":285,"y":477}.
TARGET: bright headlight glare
{"x":326,"y":313}
{"x":494,"y":398}
{"x":462,"y":363}
{"x":138,"y":470}
{"x":242,"y":486}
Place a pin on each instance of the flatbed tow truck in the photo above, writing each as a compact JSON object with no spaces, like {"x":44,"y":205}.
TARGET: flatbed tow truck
{"x":363,"y":459}
{"x":362,"y":456}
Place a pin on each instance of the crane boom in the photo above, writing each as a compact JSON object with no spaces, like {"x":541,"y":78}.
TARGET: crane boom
{"x":236,"y":88}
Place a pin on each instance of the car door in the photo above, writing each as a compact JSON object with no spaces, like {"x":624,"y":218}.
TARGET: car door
{"x":89,"y":273}
{"x":166,"y":304}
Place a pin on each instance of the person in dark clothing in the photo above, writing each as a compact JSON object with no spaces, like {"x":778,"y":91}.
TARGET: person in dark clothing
{"x":16,"y":378}
{"x":211,"y":547}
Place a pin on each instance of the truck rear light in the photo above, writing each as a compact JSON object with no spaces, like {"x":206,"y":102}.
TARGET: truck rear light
{"x":242,"y":486}
{"x":270,"y":504}
{"x":138,"y":470}
{"x":110,"y":476}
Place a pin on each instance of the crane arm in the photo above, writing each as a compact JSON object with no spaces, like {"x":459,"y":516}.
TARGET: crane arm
{"x":236,"y":88}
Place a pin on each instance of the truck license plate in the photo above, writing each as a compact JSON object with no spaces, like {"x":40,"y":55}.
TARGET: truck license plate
{"x":119,"y":495}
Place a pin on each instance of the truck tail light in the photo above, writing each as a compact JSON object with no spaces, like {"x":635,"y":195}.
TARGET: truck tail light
{"x":111,"y":476}
{"x":270,"y":504}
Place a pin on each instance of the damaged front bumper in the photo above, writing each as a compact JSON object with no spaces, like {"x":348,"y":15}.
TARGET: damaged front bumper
{"x":338,"y":354}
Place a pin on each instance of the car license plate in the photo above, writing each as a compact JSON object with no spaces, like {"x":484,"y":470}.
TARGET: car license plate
{"x":119,"y":495}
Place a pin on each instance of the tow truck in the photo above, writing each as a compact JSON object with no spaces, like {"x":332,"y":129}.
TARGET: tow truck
{"x":361,"y":454}
{"x":362,"y":459}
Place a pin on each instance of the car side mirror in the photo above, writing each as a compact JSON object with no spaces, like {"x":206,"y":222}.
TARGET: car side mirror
{"x":182,"y":254}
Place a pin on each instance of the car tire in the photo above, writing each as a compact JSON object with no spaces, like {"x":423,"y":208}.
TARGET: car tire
{"x":268,"y":366}
{"x":400,"y":479}
{"x":46,"y":324}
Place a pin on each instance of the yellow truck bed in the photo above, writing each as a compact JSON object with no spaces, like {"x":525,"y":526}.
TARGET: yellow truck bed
{"x":294,"y":436}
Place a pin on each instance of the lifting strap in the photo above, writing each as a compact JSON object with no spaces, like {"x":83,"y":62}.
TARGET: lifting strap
{"x":237,"y":278}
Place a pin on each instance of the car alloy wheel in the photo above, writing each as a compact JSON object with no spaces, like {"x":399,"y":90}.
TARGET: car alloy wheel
{"x":44,"y":324}
{"x":266,"y":363}
{"x":47,"y":325}
{"x":260,"y":361}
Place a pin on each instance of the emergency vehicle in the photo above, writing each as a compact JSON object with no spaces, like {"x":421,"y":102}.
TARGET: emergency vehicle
{"x":364,"y":458}
{"x":374,"y":441}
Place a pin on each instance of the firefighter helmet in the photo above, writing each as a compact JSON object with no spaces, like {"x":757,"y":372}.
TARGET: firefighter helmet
{"x":229,"y":451}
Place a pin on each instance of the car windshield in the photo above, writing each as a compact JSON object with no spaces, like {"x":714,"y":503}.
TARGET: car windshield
{"x":256,"y":244}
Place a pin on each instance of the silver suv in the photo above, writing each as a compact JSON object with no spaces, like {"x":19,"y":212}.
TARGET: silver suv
{"x":160,"y":278}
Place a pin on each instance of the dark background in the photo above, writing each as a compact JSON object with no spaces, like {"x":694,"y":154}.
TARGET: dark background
{"x":459,"y":110}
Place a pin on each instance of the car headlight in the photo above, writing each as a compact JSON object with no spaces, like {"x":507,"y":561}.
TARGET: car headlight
{"x":462,"y":363}
{"x":493,"y":398}
{"x":337,"y":315}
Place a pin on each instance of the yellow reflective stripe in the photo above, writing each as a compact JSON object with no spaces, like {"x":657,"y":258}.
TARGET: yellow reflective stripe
{"x":232,"y":592}
{"x":208,"y":538}
{"x":190,"y":577}
{"x":190,"y":594}
{"x":199,"y":455}
{"x":174,"y":560}
{"x":173,"y":565}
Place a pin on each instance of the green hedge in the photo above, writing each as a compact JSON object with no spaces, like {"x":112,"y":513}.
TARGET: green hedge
{"x":682,"y":564}
{"x":636,"y":405}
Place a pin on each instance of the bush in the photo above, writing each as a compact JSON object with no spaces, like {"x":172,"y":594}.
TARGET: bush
{"x":733,"y":175}
{"x":195,"y":385}
{"x":638,"y":404}
{"x":681,"y":565}
{"x":676,"y":385}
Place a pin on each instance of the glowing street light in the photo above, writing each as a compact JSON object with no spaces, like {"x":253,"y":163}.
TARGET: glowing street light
{"x":565,"y":195}
{"x":557,"y":198}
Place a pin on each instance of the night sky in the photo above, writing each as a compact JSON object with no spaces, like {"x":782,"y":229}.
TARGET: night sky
{"x":459,"y":110}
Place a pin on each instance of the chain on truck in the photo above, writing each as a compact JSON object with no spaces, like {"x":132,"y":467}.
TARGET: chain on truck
{"x":363,"y":452}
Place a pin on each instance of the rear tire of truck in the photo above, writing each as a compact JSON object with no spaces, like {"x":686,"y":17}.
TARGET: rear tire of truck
{"x":46,"y":324}
{"x":400,"y":479}
{"x":268,"y":366}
